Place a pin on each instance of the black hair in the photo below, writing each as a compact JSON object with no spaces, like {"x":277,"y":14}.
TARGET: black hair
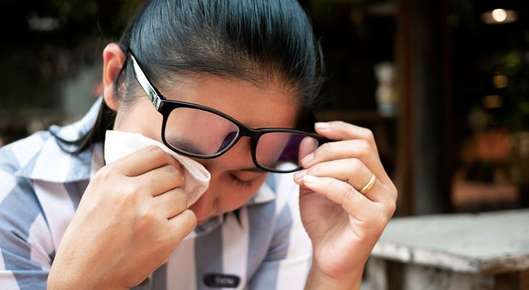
{"x":254,"y":40}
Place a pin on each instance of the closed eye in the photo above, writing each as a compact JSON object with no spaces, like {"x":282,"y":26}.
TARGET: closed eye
{"x":241,"y":182}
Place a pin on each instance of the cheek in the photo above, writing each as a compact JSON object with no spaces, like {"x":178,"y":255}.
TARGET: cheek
{"x":139,"y":117}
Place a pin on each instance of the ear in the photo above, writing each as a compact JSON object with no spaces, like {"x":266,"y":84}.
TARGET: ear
{"x":113,"y":60}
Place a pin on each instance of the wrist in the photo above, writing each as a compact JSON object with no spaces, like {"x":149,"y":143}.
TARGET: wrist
{"x":66,"y":282}
{"x":55,"y":285}
{"x":318,"y":279}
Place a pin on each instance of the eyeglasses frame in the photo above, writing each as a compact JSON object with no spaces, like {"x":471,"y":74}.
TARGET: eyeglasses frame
{"x":165,"y":107}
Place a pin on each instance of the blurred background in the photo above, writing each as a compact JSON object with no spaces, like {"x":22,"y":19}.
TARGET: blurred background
{"x":444,"y":85}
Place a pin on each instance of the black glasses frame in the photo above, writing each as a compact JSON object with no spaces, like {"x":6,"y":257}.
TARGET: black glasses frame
{"x":165,"y":107}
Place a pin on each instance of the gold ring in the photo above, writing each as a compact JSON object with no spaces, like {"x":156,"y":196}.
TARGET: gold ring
{"x":369,"y":184}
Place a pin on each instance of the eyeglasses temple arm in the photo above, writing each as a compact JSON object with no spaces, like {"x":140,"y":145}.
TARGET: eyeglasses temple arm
{"x":149,"y":89}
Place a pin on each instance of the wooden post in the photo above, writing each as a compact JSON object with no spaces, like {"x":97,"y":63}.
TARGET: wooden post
{"x":424,"y":157}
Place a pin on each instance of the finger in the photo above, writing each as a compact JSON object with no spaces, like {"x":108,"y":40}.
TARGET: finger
{"x":171,"y":203}
{"x":307,"y":146}
{"x":181,"y":225}
{"x":338,"y":130}
{"x":352,"y":171}
{"x":144,"y":160}
{"x":355,"y":148}
{"x":160,"y":180}
{"x":342,"y":193}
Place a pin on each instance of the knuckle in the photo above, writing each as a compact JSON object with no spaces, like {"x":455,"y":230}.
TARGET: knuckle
{"x":153,"y":149}
{"x":363,"y":148}
{"x":171,"y":170}
{"x":180,"y":202}
{"x":105,"y":173}
{"x":177,"y":175}
{"x":349,"y":192}
{"x":394,"y":192}
{"x":123,"y":197}
{"x":355,"y":164}
{"x":368,"y":134}
{"x":383,"y":215}
{"x":323,"y":150}
{"x":391,"y":208}
{"x":191,"y":218}
{"x":379,"y":221}
{"x":145,"y":218}
{"x":157,"y":153}
{"x":341,"y":124}
{"x":131,"y":192}
{"x":138,"y":189}
{"x":177,"y":171}
{"x":179,"y":180}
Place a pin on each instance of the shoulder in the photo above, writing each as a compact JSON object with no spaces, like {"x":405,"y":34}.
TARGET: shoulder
{"x":16,"y":158}
{"x":39,"y":192}
{"x":23,"y":228}
{"x":20,"y":154}
{"x":43,"y":157}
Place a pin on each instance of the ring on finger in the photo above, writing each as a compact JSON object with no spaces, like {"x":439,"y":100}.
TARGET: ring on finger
{"x":369,"y":185}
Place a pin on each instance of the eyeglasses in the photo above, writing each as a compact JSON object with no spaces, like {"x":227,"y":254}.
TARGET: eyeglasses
{"x":198,"y":131}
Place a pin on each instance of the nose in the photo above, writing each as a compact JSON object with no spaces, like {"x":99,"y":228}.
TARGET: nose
{"x":206,"y":206}
{"x":239,"y":156}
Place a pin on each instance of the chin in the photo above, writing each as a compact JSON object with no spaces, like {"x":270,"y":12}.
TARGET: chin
{"x":201,"y":215}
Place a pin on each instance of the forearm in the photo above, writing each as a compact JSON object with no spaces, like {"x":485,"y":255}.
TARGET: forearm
{"x":318,"y":280}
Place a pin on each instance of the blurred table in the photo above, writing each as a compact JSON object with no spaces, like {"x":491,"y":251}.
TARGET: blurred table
{"x":488,"y":251}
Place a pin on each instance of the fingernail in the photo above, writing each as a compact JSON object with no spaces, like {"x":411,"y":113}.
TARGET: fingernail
{"x":322,"y":125}
{"x":307,"y":160}
{"x":298,"y":176}
{"x":309,"y":179}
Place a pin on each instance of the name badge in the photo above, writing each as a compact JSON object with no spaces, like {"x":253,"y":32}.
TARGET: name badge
{"x":219,"y":280}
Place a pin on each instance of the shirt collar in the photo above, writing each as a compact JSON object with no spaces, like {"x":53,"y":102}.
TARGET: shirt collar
{"x":52,"y":164}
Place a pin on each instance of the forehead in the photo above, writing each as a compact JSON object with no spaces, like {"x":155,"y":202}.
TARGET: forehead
{"x":268,"y":103}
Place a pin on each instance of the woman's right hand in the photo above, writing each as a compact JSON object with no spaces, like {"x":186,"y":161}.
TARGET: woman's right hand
{"x":132,"y":215}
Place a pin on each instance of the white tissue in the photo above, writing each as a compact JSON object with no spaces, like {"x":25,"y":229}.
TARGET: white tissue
{"x":118,"y":144}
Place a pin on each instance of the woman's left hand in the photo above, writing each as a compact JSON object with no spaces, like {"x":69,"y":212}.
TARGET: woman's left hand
{"x":344,"y":212}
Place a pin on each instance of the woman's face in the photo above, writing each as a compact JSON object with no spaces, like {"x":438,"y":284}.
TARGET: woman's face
{"x":268,"y":104}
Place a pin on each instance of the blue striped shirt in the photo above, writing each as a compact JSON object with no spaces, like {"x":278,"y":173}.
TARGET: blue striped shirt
{"x":40,"y":189}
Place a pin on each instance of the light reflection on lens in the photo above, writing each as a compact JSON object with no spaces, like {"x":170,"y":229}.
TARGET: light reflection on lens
{"x":199,"y":132}
{"x":283,"y":150}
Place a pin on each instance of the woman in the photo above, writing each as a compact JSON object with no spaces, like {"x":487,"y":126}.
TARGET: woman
{"x":68,"y":221}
